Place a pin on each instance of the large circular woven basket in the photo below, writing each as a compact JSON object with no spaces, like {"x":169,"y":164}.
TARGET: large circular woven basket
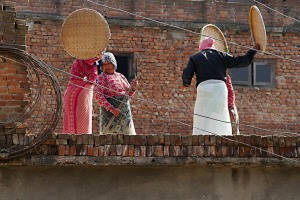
{"x":85,"y":34}
{"x":211,"y":30}
{"x":257,"y":26}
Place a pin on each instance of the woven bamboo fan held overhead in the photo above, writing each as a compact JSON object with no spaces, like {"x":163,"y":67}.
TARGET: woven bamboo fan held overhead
{"x":257,"y":27}
{"x":211,"y":30}
{"x":85,"y":34}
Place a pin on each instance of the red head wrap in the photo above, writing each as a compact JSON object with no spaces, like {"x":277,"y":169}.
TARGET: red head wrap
{"x":207,"y":43}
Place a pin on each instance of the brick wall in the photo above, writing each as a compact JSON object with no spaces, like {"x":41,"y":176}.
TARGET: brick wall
{"x":165,"y":51}
{"x":14,"y":83}
{"x":162,"y":145}
{"x":13,"y":76}
{"x":175,"y":10}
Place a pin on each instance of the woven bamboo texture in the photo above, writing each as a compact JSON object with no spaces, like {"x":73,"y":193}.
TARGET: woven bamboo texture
{"x":85,"y":34}
{"x":211,"y":30}
{"x":257,"y":26}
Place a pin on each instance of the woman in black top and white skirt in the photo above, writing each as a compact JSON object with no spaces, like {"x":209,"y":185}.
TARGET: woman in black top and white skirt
{"x":210,"y":67}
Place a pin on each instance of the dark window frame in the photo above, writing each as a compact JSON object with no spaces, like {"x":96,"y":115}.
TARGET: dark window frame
{"x":261,"y":83}
{"x":252,"y":76}
{"x":246,"y":82}
{"x":130,"y":71}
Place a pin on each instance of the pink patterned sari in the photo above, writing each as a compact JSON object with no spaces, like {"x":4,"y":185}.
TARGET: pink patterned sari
{"x":78,"y":99}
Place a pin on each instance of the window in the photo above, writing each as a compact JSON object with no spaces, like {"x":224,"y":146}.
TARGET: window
{"x":125,"y":65}
{"x":256,"y":74}
{"x":241,"y":76}
{"x":263,"y":74}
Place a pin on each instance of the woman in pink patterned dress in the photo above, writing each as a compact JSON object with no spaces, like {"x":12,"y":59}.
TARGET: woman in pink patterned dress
{"x":78,"y":97}
{"x":110,"y":91}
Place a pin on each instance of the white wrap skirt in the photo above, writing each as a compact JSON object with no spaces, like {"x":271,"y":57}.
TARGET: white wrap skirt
{"x":212,"y":103}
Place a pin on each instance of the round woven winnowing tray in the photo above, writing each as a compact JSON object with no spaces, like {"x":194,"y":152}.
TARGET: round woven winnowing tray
{"x":257,"y":27}
{"x":211,"y":30}
{"x":85,"y":34}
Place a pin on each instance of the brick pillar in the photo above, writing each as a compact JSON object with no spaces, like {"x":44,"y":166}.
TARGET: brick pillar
{"x":14,"y":82}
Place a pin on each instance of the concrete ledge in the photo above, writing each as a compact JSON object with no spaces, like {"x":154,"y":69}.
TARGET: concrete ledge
{"x":48,"y":160}
{"x":149,"y":182}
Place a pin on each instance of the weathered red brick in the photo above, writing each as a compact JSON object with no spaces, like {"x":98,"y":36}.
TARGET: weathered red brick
{"x":184,"y":140}
{"x":120,"y":138}
{"x":218,"y":140}
{"x":264,"y":152}
{"x":79,"y":139}
{"x":95,"y":151}
{"x":72,"y":150}
{"x":85,"y":139}
{"x":218,"y":150}
{"x":143,"y":151}
{"x":282,"y":142}
{"x":125,"y":151}
{"x":161,"y":139}
{"x":190,"y":152}
{"x":195,"y":140}
{"x":158,"y":150}
{"x":242,"y":152}
{"x":132,"y":139}
{"x":206,"y":151}
{"x":90,"y":139}
{"x":63,"y":136}
{"x":206,"y":140}
{"x":67,"y":151}
{"x":90,"y":150}
{"x":61,"y":141}
{"x":177,"y":140}
{"x":225,"y":151}
{"x":126,"y":139}
{"x":212,"y":151}
{"x":236,"y":151}
{"x":131,"y":150}
{"x":119,"y":149}
{"x":61,"y":150}
{"x":101,"y":150}
{"x":149,"y":151}
{"x":109,"y":139}
{"x":114,"y":139}
{"x":138,"y":140}
{"x":107,"y":150}
{"x":270,"y":141}
{"x":167,"y":139}
{"x":102,"y":140}
{"x":112,"y":150}
{"x":137,"y":150}
{"x":212,"y":140}
{"x":96,"y":140}
{"x":152,"y":139}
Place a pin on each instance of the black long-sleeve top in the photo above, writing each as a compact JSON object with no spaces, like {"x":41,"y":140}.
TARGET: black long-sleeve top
{"x":212,"y":64}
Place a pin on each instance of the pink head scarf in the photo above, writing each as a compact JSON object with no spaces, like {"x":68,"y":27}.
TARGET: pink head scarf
{"x":207,"y":43}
